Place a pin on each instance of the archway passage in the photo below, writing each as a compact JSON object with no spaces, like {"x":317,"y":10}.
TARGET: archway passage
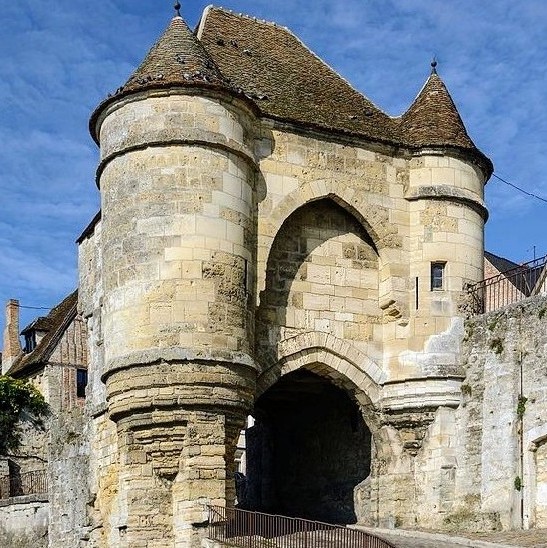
{"x":307,"y":451}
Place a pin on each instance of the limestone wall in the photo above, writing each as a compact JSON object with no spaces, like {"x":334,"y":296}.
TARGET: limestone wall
{"x":24,"y":522}
{"x":177,"y":228}
{"x":231,"y":246}
{"x":68,"y":479}
{"x":502,"y":422}
{"x":415,"y":211}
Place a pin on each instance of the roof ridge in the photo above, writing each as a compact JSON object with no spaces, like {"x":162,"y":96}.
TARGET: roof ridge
{"x":303,"y":44}
{"x":244,"y":16}
{"x":486,"y":252}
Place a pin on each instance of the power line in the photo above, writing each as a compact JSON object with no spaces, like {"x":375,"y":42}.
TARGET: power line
{"x":519,"y":189}
{"x":35,"y":307}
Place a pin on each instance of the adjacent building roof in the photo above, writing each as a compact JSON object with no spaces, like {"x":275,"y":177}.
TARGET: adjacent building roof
{"x":55,"y":324}
{"x":524,"y":277}
{"x":275,"y":71}
{"x":500,"y":263}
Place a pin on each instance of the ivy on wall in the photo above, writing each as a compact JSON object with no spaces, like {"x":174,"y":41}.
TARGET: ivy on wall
{"x":18,"y":400}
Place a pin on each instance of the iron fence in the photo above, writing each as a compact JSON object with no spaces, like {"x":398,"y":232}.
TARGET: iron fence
{"x":29,"y":483}
{"x":245,"y":529}
{"x":508,"y":287}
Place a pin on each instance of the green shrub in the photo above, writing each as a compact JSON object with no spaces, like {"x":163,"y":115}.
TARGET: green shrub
{"x":18,"y":397}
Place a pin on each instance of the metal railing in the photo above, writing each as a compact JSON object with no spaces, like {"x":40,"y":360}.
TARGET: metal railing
{"x":29,"y":483}
{"x":235,"y":527}
{"x":508,"y":287}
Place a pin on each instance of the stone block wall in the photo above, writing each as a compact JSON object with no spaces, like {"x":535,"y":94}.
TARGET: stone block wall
{"x":231,"y":246}
{"x":322,"y":276}
{"x":415,"y":211}
{"x":502,"y":422}
{"x":177,"y":230}
{"x":24,"y":522}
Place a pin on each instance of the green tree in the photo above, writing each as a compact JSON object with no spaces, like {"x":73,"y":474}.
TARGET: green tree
{"x":18,"y":400}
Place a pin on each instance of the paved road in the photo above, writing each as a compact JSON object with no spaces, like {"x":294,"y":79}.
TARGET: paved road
{"x":535,"y":538}
{"x":409,"y":542}
{"x":417,"y":539}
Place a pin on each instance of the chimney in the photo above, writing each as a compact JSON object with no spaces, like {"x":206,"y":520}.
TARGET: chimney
{"x":12,"y":347}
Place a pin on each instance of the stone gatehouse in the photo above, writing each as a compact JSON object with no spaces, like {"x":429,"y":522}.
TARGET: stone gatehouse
{"x":272,"y":244}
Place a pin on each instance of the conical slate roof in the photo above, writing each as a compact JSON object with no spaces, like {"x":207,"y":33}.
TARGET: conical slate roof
{"x":176,"y":58}
{"x":433,"y":119}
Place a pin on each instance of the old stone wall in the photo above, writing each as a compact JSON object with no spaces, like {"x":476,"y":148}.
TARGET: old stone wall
{"x":231,"y":246}
{"x":177,"y":229}
{"x":322,"y":275}
{"x":502,"y":422}
{"x":24,"y":522}
{"x":68,"y":471}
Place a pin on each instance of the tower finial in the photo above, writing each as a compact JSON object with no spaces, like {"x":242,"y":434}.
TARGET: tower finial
{"x":434,"y":65}
{"x":177,"y":9}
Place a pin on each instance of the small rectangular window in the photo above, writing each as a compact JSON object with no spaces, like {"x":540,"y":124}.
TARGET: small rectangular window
{"x":437,"y":276}
{"x":30,"y":341}
{"x":81,"y":382}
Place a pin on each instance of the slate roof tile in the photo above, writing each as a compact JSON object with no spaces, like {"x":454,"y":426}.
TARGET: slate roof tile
{"x":286,"y":81}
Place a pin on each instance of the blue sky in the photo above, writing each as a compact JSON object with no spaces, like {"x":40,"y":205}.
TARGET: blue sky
{"x":60,"y":58}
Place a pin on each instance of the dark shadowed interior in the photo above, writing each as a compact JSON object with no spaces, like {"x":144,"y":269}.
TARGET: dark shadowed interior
{"x":307,"y":451}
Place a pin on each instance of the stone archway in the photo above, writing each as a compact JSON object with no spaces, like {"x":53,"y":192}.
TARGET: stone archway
{"x":319,"y":326}
{"x":308,"y":450}
{"x":322,"y":275}
{"x":374,"y":218}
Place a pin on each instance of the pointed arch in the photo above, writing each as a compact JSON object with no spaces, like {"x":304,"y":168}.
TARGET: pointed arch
{"x":372,"y":217}
{"x":331,"y":357}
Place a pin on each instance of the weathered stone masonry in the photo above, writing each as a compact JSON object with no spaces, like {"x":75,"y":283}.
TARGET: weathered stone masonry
{"x":502,"y":420}
{"x":240,"y":242}
{"x":266,"y":245}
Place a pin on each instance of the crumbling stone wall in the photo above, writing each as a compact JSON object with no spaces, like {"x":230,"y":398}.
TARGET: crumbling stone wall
{"x":68,"y":479}
{"x":24,"y":522}
{"x":502,"y":422}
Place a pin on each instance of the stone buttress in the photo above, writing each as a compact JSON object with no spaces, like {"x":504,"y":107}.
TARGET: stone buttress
{"x":176,"y":180}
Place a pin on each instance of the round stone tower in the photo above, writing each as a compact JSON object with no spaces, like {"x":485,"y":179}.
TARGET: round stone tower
{"x":178,"y":226}
{"x":447,"y":214}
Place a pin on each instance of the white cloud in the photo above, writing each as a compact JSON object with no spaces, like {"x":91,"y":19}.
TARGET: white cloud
{"x":58,"y":64}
